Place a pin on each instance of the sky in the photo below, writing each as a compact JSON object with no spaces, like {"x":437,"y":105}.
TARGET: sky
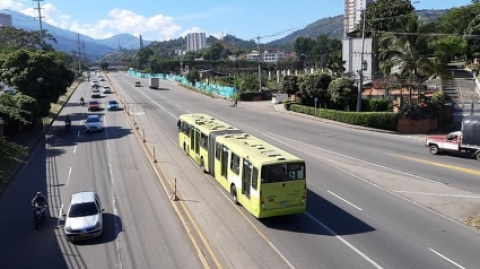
{"x":158,"y":20}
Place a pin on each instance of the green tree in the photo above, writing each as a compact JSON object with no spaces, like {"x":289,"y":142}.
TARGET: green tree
{"x":290,"y":84}
{"x":457,"y":20}
{"x":143,"y":55}
{"x":473,"y":41}
{"x":386,"y":16}
{"x":448,"y":47}
{"x":304,"y":45}
{"x":9,"y":151}
{"x":343,"y":92}
{"x":193,"y":76}
{"x":37,"y":74}
{"x":408,"y":51}
{"x":104,"y":65}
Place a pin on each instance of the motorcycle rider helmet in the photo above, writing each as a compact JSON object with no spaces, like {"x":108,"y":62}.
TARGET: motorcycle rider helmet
{"x":39,"y":193}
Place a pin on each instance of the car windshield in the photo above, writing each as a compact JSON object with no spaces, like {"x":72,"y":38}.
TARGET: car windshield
{"x":112,"y":102}
{"x":92,"y":120}
{"x":83,"y":210}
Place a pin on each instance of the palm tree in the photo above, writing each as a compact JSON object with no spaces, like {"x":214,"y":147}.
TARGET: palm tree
{"x":407,"y":51}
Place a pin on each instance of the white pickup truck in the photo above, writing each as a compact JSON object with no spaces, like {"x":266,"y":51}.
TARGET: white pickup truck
{"x":466,"y":141}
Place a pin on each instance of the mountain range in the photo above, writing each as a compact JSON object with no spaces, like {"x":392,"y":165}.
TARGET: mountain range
{"x":67,"y":41}
{"x":124,"y":46}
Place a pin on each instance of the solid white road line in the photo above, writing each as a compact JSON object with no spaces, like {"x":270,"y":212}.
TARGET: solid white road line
{"x":345,"y":242}
{"x":441,"y":194}
{"x":345,"y":200}
{"x":78,"y":135}
{"x":160,"y":106}
{"x":59,"y":215}
{"x":447,"y":259}
{"x":69,"y":175}
{"x":75,"y":149}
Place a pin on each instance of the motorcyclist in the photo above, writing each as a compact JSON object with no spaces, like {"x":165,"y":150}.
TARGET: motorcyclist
{"x":39,"y":201}
{"x":82,"y":101}
{"x":67,"y":119}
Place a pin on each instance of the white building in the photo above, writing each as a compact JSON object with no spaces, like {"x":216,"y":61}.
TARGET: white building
{"x":273,"y":56}
{"x":196,"y":41}
{"x":253,"y":56}
{"x":352,"y":55}
{"x":353,"y":14}
{"x":5,"y":20}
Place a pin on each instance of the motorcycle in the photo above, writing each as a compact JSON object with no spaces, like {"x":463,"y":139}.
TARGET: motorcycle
{"x":38,"y":214}
{"x":68,"y":125}
{"x":82,"y":102}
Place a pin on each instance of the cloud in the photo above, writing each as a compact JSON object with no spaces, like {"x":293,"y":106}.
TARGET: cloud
{"x":125,"y":21}
{"x":51,"y":15}
{"x":10,"y":4}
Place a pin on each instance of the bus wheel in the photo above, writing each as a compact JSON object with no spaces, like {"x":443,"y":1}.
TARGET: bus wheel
{"x":233,"y":192}
{"x":202,"y":165}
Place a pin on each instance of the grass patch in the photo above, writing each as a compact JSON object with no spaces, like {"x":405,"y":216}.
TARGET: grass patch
{"x":473,"y":221}
{"x":28,"y":139}
{"x":197,"y":90}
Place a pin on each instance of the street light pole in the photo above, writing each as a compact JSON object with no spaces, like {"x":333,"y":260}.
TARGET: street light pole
{"x":360,"y":72}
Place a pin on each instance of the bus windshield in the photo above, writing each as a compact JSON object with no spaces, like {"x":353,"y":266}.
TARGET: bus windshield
{"x":283,"y":172}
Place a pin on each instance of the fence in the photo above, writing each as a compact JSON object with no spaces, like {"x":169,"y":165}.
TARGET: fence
{"x":210,"y":88}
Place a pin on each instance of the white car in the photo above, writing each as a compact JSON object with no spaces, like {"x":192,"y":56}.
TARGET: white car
{"x":107,"y":89}
{"x":95,"y":83}
{"x":84,"y":218}
{"x":96,"y":94}
{"x":93,"y":124}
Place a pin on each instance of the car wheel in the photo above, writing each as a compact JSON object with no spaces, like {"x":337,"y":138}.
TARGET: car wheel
{"x":434,"y":149}
{"x":233,"y":192}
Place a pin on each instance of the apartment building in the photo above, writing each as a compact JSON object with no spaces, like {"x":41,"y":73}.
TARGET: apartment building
{"x":5,"y":20}
{"x":273,"y":56}
{"x":196,"y":41}
{"x":353,"y":14}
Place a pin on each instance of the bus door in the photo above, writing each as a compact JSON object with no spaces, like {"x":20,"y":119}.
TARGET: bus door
{"x":224,"y":162}
{"x":246,"y":178}
{"x":192,"y":139}
{"x":197,"y":142}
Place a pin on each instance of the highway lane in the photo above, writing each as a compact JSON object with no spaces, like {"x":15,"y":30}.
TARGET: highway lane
{"x":394,"y":233}
{"x":381,"y":149}
{"x":141,"y":229}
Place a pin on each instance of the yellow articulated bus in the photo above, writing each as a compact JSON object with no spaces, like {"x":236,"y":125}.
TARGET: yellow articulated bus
{"x":196,"y":132}
{"x":264,"y":179}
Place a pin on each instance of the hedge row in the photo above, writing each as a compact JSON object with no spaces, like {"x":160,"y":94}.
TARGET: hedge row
{"x":379,"y":120}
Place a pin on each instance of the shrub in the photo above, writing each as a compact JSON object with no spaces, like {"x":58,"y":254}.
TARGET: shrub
{"x":380,"y":120}
{"x":288,"y":103}
{"x":248,"y":96}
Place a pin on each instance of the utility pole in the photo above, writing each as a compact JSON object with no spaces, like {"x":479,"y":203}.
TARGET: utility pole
{"x":40,"y":20}
{"x":259,"y":65}
{"x":360,"y":71}
{"x":79,"y":53}
{"x":181,"y":56}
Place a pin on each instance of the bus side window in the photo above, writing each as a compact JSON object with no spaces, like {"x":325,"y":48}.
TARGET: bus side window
{"x":218,"y":151}
{"x":203,"y":140}
{"x":234,"y":163}
{"x":255,"y":178}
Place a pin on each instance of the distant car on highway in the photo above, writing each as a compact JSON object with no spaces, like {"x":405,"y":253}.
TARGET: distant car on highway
{"x":107,"y":89}
{"x":84,"y":218}
{"x":95,"y":83}
{"x":93,"y":124}
{"x":101,"y":78}
{"x":93,"y":106}
{"x":96,"y":94}
{"x":112,"y":105}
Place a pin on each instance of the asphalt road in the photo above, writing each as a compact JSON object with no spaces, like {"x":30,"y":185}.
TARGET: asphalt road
{"x":141,"y":230}
{"x":374,"y":226}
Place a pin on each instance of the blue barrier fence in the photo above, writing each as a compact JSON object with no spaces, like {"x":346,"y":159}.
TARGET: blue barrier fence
{"x":223,"y":91}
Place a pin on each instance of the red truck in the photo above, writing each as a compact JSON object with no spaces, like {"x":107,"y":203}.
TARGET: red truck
{"x":466,"y":141}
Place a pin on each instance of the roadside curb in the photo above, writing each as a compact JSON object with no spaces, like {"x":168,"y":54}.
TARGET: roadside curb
{"x":36,"y":143}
